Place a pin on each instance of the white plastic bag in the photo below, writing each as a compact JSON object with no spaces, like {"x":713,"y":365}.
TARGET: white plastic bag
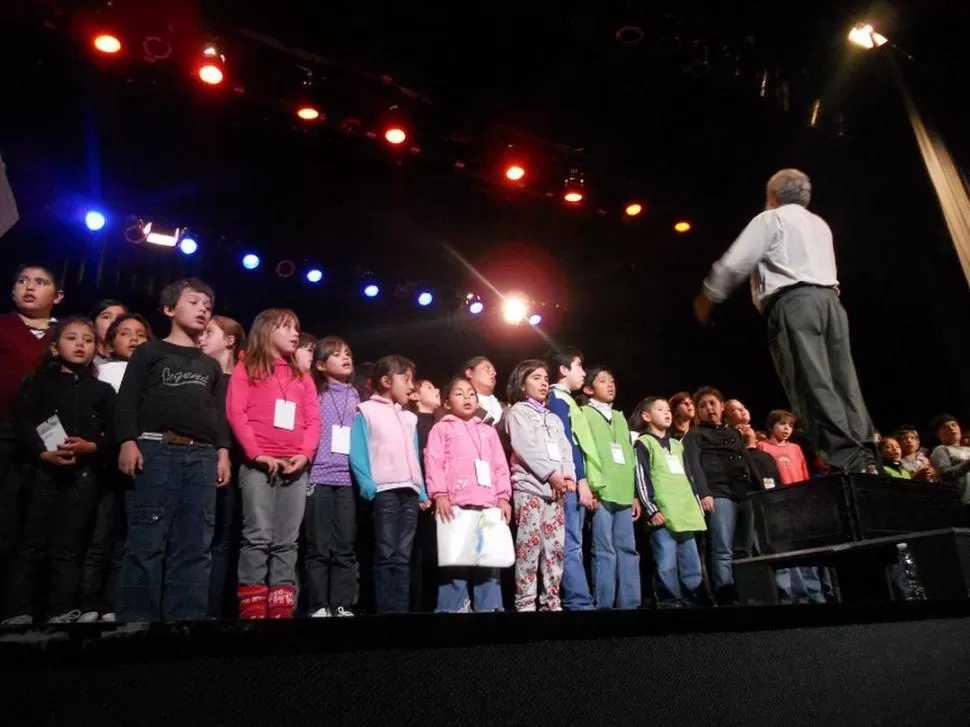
{"x":475,"y":538}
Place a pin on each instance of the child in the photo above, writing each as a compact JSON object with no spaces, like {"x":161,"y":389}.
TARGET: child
{"x":466,"y":468}
{"x":175,"y":443}
{"x":272,"y":409}
{"x":63,"y":495}
{"x":683,"y":410}
{"x":616,"y":563}
{"x":103,"y":315}
{"x":223,"y":340}
{"x":892,"y":459}
{"x":331,"y":517}
{"x":788,"y":456}
{"x":566,"y":367}
{"x":304,"y":352}
{"x":915,"y":459}
{"x":674,"y":496}
{"x":102,"y":561}
{"x":425,"y":402}
{"x":542,"y":474}
{"x":951,"y":459}
{"x":384,"y":457}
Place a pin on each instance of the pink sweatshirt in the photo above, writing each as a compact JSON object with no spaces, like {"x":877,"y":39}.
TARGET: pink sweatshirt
{"x":251,"y":406}
{"x":449,"y":462}
{"x":789,"y":458}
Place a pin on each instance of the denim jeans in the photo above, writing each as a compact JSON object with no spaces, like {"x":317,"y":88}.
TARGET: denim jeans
{"x":678,"y":563}
{"x":616,"y":563}
{"x":453,"y":590}
{"x":331,"y":568}
{"x":171,"y":516}
{"x":731,"y":531}
{"x":395,"y":520}
{"x":575,"y":587}
{"x":225,"y":552}
{"x":799,"y":585}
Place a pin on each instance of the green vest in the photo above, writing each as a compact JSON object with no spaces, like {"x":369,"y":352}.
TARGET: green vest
{"x":611,"y":481}
{"x":898,"y":473}
{"x":579,"y":425}
{"x":672,"y":491}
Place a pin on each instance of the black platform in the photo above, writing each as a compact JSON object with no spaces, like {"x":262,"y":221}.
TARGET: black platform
{"x":872,"y":664}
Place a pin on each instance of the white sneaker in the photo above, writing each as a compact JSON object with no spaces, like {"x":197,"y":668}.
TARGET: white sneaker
{"x":89,"y":617}
{"x":342,"y":612}
{"x":21,"y":620}
{"x":65,"y":618}
{"x":109,"y":617}
{"x":321,"y":613}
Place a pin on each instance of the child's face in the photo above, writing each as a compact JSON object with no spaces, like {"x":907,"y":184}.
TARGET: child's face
{"x":736,"y":413}
{"x":890,"y":450}
{"x":659,"y":414}
{"x":338,"y":365}
{"x":536,"y":385}
{"x":399,"y":387}
{"x":781,"y":431}
{"x":304,"y":357}
{"x":710,"y":409}
{"x":75,"y":345}
{"x":685,"y":410}
{"x":427,"y":395}
{"x":105,"y":319}
{"x":192,"y":311}
{"x":34,"y":292}
{"x":462,"y":400}
{"x":285,"y":338}
{"x":909,"y":442}
{"x":130,"y":335}
{"x":574,"y":376}
{"x":214,"y":340}
{"x":603,"y":388}
{"x":483,"y":377}
{"x":949,"y":433}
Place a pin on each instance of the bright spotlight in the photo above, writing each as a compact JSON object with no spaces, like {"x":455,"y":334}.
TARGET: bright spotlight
{"x":371,"y":290}
{"x":863,"y":35}
{"x":94,"y":220}
{"x":395,"y":135}
{"x":308,"y":113}
{"x":573,"y":188}
{"x":514,"y":310}
{"x":633,"y":209}
{"x":250,"y":261}
{"x":682,"y":226}
{"x":535,"y":319}
{"x":476,"y":308}
{"x":514,"y":172}
{"x":314,"y":275}
{"x":213,"y":62}
{"x":107,"y":43}
{"x":425,"y":298}
{"x":188,"y":246}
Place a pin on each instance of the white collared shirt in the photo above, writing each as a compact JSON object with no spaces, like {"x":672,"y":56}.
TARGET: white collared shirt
{"x":491,"y":405}
{"x":605,"y":409}
{"x":779,"y":247}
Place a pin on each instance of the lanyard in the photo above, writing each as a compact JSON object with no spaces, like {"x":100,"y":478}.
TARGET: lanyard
{"x":476,"y":439}
{"x":340,"y":411}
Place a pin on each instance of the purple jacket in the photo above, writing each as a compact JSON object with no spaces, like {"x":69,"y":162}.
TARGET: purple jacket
{"x":338,"y":405}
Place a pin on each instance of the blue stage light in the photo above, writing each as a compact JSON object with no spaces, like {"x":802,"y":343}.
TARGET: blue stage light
{"x":535,"y":319}
{"x":425,"y":298}
{"x":250,"y":261}
{"x":314,"y":275}
{"x":371,"y":290}
{"x":188,"y":246}
{"x":476,"y":307}
{"x":94,"y":220}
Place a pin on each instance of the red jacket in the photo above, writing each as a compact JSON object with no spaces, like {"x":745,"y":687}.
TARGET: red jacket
{"x":20,"y":353}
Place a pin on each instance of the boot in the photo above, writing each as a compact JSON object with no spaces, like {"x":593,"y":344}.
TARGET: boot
{"x":252,"y":601}
{"x":282,"y":600}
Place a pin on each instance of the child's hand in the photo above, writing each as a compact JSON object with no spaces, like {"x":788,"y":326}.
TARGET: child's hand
{"x":558,"y":483}
{"x":223,"y":468}
{"x":570,"y":484}
{"x":130,"y":461}
{"x":79,"y":446}
{"x":270,"y":465}
{"x":707,"y":504}
{"x":293,"y":465}
{"x":506,"y":509}
{"x":426,"y":505}
{"x":585,"y":495}
{"x":442,"y":508}
{"x":60,"y":458}
{"x":637,"y":510}
{"x":658,"y":520}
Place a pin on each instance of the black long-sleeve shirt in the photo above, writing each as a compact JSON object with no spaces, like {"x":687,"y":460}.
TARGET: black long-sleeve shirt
{"x":170,"y":388}
{"x":644,"y":483}
{"x":84,"y":405}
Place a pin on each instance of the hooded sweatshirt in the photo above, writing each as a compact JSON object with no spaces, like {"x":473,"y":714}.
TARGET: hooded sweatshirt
{"x":450,"y":458}
{"x":537,"y":435}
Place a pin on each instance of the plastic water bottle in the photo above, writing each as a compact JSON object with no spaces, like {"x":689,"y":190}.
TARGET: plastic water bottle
{"x":909,"y":580}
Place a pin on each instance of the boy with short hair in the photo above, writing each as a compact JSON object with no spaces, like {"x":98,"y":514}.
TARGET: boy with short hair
{"x":566,"y":369}
{"x":24,"y":339}
{"x":175,"y":443}
{"x":915,"y":459}
{"x":952,"y":459}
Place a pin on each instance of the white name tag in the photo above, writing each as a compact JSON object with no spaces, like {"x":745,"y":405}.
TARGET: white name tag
{"x":483,"y":473}
{"x":552,"y":449}
{"x":285,"y":415}
{"x":339,"y":439}
{"x":675,"y":465}
{"x":617,"y":452}
{"x":52,"y":433}
{"x":769,"y":482}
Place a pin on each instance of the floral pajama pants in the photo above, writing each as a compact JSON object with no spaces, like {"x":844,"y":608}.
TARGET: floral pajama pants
{"x":541,"y":530}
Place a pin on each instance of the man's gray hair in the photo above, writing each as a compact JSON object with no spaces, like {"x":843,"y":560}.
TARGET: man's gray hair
{"x":791,"y":186}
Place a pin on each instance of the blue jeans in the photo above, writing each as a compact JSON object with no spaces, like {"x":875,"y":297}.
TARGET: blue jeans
{"x":395,"y":520}
{"x":799,"y":585}
{"x":575,"y":588}
{"x":616,"y":563}
{"x":678,"y":562}
{"x":171,"y":516}
{"x":453,"y":590}
{"x":731,"y":528}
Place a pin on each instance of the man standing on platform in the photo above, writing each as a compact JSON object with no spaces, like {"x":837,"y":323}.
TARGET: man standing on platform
{"x":787,"y":251}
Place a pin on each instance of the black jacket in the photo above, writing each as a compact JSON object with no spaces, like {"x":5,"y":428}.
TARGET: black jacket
{"x":719,"y":451}
{"x":84,"y":405}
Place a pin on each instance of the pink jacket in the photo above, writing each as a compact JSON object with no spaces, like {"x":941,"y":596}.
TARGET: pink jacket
{"x":251,"y":406}
{"x":449,"y":462}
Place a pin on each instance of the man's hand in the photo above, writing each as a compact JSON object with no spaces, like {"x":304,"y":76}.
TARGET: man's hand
{"x":707,"y":504}
{"x":702,"y":308}
{"x":223,"y":468}
{"x":130,"y":460}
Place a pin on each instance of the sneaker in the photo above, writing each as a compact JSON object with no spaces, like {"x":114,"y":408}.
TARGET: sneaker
{"x":65,"y":618}
{"x":109,"y":617}
{"x":342,"y":612}
{"x":23,"y":619}
{"x":88,"y":617}
{"x":321,"y":613}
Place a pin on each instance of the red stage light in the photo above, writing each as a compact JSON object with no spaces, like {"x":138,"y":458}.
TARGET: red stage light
{"x":514,"y":172}
{"x":308,"y":113}
{"x":573,"y":196}
{"x":682,"y":226}
{"x":107,"y":43}
{"x":395,"y":135}
{"x":211,"y":74}
{"x":633,"y":209}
